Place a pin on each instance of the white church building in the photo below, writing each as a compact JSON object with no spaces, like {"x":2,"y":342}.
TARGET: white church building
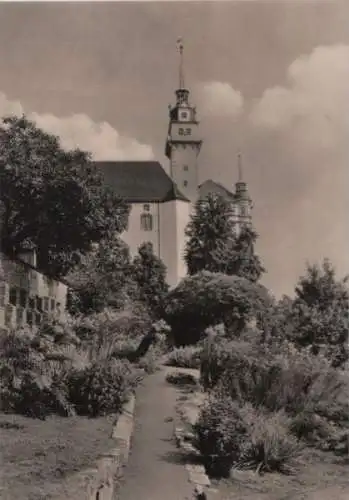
{"x":161,"y":204}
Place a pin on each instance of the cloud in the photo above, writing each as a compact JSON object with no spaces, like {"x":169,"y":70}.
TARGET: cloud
{"x":315,"y":101}
{"x":220,"y":99}
{"x":79,"y":130}
{"x":302,"y":130}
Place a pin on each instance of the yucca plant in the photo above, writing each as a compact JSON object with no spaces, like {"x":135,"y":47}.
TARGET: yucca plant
{"x":269,"y":446}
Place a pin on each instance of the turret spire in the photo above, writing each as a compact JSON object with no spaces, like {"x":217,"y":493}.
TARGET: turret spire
{"x":180,"y":48}
{"x":239,"y":167}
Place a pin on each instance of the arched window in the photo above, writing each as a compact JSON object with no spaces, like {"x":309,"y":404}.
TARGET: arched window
{"x":146,"y":222}
{"x":185,"y":183}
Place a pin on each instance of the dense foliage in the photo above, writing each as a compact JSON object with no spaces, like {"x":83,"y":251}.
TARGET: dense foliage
{"x":228,"y":434}
{"x":50,"y":370}
{"x":317,"y":317}
{"x":101,"y":388}
{"x":207,"y":299}
{"x":301,"y":394}
{"x":149,"y":272}
{"x":213,"y":244}
{"x":320,"y":313}
{"x":103,"y":278}
{"x":52,"y":200}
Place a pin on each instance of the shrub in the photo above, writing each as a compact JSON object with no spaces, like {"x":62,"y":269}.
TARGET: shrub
{"x":185,"y":357}
{"x":220,"y":432}
{"x":230,"y":435}
{"x":36,"y":396}
{"x":208,"y":299}
{"x":278,"y":377}
{"x":33,"y":370}
{"x":181,"y":378}
{"x":101,"y":389}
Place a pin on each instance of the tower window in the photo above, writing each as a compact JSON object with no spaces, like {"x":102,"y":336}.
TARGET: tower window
{"x":184,"y":131}
{"x":146,"y":222}
{"x":185,"y":183}
{"x":185,"y":168}
{"x":146,"y":207}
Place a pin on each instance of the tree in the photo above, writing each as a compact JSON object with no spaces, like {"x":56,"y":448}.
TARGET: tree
{"x":103,"y":278}
{"x":52,"y":200}
{"x":208,"y":299}
{"x":210,"y":234}
{"x":149,"y":272}
{"x":320,"y":312}
{"x":213,"y":245}
{"x":244,"y":262}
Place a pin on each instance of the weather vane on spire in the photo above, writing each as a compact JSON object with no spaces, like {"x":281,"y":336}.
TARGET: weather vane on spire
{"x":181,"y":72}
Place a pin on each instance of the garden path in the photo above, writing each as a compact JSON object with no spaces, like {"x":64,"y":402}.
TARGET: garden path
{"x":155,"y":470}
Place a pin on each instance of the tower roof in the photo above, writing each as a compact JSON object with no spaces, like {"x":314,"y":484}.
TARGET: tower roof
{"x":139,"y":181}
{"x":180,"y":48}
{"x":241,"y":191}
{"x":212,"y":187}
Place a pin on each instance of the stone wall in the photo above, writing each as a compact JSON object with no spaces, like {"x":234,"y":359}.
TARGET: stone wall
{"x":26,"y":295}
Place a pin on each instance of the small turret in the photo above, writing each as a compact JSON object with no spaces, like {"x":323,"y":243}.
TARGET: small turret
{"x":242,"y":196}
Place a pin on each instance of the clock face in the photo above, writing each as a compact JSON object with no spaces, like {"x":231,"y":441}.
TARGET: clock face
{"x":184,"y":115}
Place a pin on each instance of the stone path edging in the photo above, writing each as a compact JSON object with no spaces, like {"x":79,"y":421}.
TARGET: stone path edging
{"x":98,"y":483}
{"x":196,"y":473}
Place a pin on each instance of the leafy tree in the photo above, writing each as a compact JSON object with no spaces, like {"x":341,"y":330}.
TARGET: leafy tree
{"x":320,"y":312}
{"x":102,"y":278}
{"x":277,"y":322}
{"x":149,"y":272}
{"x":213,"y":245}
{"x":208,"y":299}
{"x":51,"y":200}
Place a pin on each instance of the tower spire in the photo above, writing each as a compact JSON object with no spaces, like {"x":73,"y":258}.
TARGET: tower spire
{"x":180,"y":48}
{"x":240,"y":173}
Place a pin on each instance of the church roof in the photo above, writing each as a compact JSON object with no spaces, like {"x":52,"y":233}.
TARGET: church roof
{"x":139,"y":181}
{"x":212,"y":187}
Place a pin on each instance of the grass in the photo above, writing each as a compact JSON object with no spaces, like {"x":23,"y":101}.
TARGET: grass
{"x":38,"y":455}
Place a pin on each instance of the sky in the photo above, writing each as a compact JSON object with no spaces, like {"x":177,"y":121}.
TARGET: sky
{"x":269,"y":78}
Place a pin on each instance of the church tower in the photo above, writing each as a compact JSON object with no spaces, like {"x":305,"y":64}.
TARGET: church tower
{"x":183,"y":141}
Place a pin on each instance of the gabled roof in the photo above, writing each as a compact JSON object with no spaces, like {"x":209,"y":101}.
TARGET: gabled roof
{"x":139,"y":181}
{"x":212,"y":187}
